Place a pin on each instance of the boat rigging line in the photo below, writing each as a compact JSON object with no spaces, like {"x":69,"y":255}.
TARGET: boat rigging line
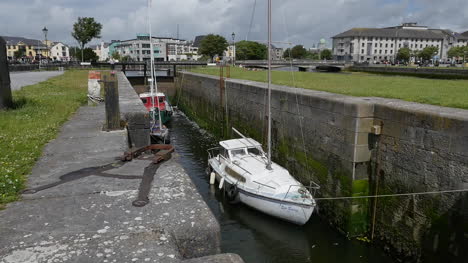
{"x":391,"y":195}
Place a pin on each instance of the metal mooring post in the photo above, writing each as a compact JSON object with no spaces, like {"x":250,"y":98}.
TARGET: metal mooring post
{"x":112,"y":103}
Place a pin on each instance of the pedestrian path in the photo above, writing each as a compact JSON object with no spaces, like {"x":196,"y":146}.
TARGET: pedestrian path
{"x":21,"y":79}
{"x":81,"y":206}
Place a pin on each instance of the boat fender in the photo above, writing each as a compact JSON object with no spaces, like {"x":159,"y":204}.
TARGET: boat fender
{"x":232,"y":193}
{"x":212,"y":178}
{"x":221,"y":183}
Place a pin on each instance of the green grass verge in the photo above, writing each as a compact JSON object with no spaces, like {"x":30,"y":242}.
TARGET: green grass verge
{"x":449,"y":93}
{"x":38,"y":113}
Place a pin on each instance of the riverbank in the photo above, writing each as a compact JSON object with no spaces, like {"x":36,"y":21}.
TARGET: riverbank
{"x":38,"y":113}
{"x":448,"y":93}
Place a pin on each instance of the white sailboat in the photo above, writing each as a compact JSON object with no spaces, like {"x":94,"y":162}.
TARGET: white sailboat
{"x":158,"y":131}
{"x":248,"y":174}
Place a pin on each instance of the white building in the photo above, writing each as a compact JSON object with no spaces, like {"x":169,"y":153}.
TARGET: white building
{"x":382,"y":44}
{"x":164,"y":48}
{"x":229,"y":53}
{"x":59,"y":52}
{"x":102,"y":51}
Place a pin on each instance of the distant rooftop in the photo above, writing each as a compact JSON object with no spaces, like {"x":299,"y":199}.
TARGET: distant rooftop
{"x":406,"y":30}
{"x":198,"y":40}
{"x":27,"y":41}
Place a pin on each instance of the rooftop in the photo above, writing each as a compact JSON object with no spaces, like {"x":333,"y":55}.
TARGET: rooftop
{"x":239,"y":143}
{"x":16,"y":40}
{"x":406,"y":30}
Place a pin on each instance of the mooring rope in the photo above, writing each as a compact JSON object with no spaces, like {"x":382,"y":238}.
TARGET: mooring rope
{"x":391,"y":195}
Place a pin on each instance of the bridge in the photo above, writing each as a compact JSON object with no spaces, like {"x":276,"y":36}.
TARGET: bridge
{"x":253,"y":63}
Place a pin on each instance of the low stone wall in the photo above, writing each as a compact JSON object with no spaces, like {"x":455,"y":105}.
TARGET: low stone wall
{"x":352,"y":147}
{"x":134,"y":113}
{"x":418,"y":72}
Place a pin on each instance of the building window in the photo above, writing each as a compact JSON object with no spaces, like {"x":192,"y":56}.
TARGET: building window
{"x":375,"y":51}
{"x":385,"y":51}
{"x":386,"y":45}
{"x":362,"y":51}
{"x":381,"y":44}
{"x":391,"y":45}
{"x":391,"y":51}
{"x":375,"y":44}
{"x":362,"y":58}
{"x":399,"y":45}
{"x":363,"y":44}
{"x":411,"y":45}
{"x":380,"y":51}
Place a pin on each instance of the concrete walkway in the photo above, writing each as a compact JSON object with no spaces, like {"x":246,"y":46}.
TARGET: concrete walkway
{"x":86,"y":214}
{"x":21,"y":79}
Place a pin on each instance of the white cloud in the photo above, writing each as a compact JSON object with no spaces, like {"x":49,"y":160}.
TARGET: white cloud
{"x":299,"y":21}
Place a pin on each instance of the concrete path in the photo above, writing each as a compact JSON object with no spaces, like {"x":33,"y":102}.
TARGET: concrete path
{"x":85,"y":214}
{"x":21,"y":79}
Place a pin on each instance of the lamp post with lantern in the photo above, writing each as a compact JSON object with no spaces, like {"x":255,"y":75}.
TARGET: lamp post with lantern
{"x":234,"y":48}
{"x":45,"y":31}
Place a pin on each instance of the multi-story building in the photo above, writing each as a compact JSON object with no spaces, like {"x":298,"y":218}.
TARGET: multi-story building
{"x":29,"y":49}
{"x":164,"y":48}
{"x":59,"y":52}
{"x":382,"y":44}
{"x":277,"y":53}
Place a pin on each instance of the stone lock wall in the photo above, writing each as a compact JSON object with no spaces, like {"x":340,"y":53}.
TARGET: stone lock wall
{"x":5,"y":89}
{"x":352,"y":147}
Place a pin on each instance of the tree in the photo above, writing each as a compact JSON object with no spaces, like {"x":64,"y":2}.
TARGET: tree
{"x":287,"y":53}
{"x":404,"y":54}
{"x":298,"y":52}
{"x":250,"y":50}
{"x":126,"y":59}
{"x":84,"y":30}
{"x":88,"y":54}
{"x":428,"y":52}
{"x":458,"y":52}
{"x":116,"y":56}
{"x":326,"y":54}
{"x":19,"y":53}
{"x":213,"y":45}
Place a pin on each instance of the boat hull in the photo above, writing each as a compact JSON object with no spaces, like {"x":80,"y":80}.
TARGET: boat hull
{"x":288,"y":211}
{"x":294,"y":213}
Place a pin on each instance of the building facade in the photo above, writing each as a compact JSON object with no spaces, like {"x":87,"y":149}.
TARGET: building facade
{"x":59,"y":52}
{"x":102,"y":51}
{"x":27,"y":49}
{"x":164,"y":49}
{"x":382,"y":44}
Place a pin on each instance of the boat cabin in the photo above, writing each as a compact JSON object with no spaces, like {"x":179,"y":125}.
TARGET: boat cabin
{"x":147,"y":101}
{"x":237,"y":148}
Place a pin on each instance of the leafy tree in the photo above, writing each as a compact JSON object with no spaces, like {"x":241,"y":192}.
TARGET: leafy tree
{"x":116,"y":56}
{"x":312,"y":55}
{"x":250,"y":50}
{"x":298,"y":52}
{"x":458,"y":52}
{"x":213,"y":45}
{"x":428,"y":52}
{"x":287,"y":53}
{"x":126,"y":59}
{"x":19,"y":53}
{"x":88,"y":54}
{"x":326,"y":54}
{"x":404,"y":54}
{"x":84,"y":30}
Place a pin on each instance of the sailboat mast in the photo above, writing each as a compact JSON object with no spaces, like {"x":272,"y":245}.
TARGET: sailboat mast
{"x":269,"y":84}
{"x":153,"y":77}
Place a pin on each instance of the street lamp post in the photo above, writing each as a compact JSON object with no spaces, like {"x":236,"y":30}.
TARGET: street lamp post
{"x":45,"y":30}
{"x":234,"y":49}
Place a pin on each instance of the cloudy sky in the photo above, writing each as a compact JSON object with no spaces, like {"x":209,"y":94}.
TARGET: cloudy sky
{"x":298,"y":21}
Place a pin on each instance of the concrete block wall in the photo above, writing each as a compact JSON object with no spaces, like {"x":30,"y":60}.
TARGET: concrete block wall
{"x":330,"y":139}
{"x":134,"y":113}
{"x":422,"y":148}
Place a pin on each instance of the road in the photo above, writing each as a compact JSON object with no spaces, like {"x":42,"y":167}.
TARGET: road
{"x":21,"y":79}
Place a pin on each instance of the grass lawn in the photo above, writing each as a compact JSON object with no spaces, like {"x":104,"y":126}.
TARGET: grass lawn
{"x":38,"y":113}
{"x":449,"y":93}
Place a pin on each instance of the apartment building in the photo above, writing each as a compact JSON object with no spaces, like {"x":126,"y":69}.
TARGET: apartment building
{"x":382,"y":44}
